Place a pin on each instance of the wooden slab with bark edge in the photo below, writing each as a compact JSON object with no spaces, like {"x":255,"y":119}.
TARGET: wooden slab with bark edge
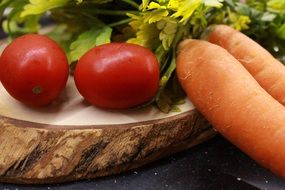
{"x":71,"y":140}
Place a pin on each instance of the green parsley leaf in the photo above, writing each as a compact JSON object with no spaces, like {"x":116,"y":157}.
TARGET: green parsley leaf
{"x":168,"y":27}
{"x":213,"y":3}
{"x":89,"y":39}
{"x":41,"y":6}
{"x":276,"y":5}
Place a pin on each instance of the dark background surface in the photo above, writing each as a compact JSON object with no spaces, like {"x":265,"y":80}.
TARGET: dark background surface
{"x":215,"y":164}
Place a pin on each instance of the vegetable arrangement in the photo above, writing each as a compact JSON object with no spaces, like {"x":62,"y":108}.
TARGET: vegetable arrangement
{"x":158,"y":25}
{"x":227,"y":83}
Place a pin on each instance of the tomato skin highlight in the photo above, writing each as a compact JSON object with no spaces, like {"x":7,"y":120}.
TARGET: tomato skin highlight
{"x":117,"y":75}
{"x":34,"y":69}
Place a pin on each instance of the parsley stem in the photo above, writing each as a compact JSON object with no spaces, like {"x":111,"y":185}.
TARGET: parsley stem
{"x":178,"y":36}
{"x":113,"y":12}
{"x":96,"y":11}
{"x":121,"y":22}
{"x":162,"y":57}
{"x":132,"y":3}
{"x":172,"y":66}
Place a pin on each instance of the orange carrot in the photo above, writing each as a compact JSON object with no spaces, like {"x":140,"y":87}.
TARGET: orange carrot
{"x":268,"y":71}
{"x":233,"y":102}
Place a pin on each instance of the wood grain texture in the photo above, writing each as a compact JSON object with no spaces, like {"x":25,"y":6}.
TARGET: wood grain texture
{"x":37,"y":153}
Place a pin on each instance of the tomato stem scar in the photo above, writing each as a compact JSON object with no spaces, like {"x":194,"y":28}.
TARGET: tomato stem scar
{"x":37,"y":89}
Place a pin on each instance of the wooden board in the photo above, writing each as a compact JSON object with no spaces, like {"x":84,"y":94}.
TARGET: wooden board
{"x":72,"y":140}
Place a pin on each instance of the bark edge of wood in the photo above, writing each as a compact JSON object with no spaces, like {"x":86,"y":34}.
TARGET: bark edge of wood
{"x":42,"y":154}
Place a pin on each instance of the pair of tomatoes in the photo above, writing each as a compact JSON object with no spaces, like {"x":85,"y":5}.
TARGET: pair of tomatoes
{"x":34,"y":70}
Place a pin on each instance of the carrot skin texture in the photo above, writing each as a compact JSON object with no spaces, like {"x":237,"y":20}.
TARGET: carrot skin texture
{"x":233,"y":102}
{"x":268,"y":71}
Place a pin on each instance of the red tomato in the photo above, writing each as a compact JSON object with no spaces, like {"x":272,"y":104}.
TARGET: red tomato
{"x":117,"y":75}
{"x":34,"y":69}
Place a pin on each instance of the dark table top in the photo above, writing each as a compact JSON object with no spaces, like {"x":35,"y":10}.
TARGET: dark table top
{"x":212,"y":165}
